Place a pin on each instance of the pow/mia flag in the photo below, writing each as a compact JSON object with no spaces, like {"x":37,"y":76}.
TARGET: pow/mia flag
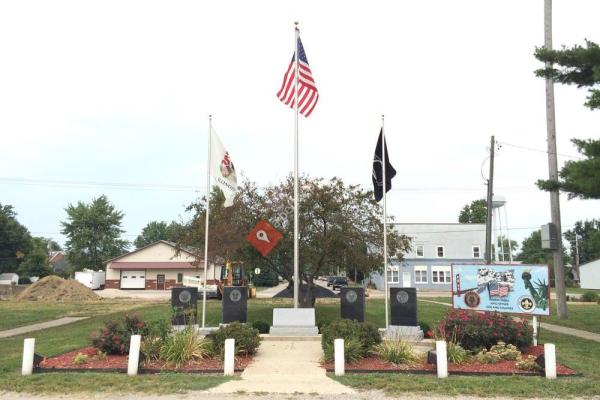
{"x":390,"y":172}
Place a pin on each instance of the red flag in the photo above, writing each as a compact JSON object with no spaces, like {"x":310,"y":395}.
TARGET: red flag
{"x":264,"y":237}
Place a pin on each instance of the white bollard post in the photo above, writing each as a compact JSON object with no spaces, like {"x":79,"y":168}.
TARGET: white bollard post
{"x":338,"y":350}
{"x":550,"y":360}
{"x":535,"y":331}
{"x":441,"y":359}
{"x":229,"y":364}
{"x":134,"y":355}
{"x":28,"y":350}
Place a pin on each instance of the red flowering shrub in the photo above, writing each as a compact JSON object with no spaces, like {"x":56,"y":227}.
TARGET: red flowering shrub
{"x":115,"y":336}
{"x":477,"y":330}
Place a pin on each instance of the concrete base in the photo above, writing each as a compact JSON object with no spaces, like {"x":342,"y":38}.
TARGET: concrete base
{"x":294,"y":322}
{"x":407,"y":333}
{"x":294,"y":331}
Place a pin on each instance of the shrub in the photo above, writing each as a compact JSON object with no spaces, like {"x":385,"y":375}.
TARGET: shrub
{"x":246,"y":338}
{"x":261,"y":326}
{"x":24,"y":281}
{"x":185,"y":346}
{"x":80,"y":358}
{"x":474,"y":330}
{"x":366,"y":334}
{"x":396,"y":352}
{"x":353,"y":351}
{"x":528,"y":364}
{"x":115,"y":336}
{"x":151,"y":347}
{"x":456,"y":354}
{"x":266,"y":279}
{"x":488,"y":357}
{"x":506,"y":351}
{"x":589,"y":297}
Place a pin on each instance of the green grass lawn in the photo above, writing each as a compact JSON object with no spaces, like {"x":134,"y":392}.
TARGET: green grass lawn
{"x":581,"y":291}
{"x":581,"y":316}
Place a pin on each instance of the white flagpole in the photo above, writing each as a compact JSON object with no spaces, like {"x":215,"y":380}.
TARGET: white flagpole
{"x":385,"y":258}
{"x":296,"y":249}
{"x":208,"y":165}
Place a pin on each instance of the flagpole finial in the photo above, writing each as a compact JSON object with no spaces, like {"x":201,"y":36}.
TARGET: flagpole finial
{"x":296,"y":23}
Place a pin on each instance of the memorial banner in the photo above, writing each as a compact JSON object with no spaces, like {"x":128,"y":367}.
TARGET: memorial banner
{"x":515,"y":289}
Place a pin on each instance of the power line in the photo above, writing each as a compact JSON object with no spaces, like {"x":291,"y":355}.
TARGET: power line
{"x":538,"y":150}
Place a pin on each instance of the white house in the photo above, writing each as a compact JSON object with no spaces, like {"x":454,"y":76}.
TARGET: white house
{"x":590,"y":275}
{"x":9,"y":278}
{"x":156,"y":267}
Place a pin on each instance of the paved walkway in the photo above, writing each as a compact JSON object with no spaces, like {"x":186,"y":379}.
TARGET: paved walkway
{"x":285,"y":366}
{"x":270,"y":292}
{"x":550,"y":327}
{"x":38,"y":327}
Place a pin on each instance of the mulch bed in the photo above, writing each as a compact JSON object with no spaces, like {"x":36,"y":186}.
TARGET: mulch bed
{"x":118,"y":363}
{"x":375,"y":364}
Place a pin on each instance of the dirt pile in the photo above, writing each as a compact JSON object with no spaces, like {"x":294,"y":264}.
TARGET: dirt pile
{"x":54,"y":288}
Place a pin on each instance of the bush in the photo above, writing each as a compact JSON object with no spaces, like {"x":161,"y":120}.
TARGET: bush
{"x":261,"y":326}
{"x":366,"y":334}
{"x":396,"y":352}
{"x":590,"y":297}
{"x":474,"y":331}
{"x":185,"y":346}
{"x":115,"y":336}
{"x":151,"y":347}
{"x":246,"y":338}
{"x":499,"y":352}
{"x":528,"y":364}
{"x":79,"y":359}
{"x":456,"y":354}
{"x":353,"y":351}
{"x":487,"y":357}
{"x":24,"y":281}
{"x":266,"y":279}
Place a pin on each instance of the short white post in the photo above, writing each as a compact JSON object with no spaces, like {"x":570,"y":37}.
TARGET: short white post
{"x":550,"y":360}
{"x":441,"y":359}
{"x":28,"y":349}
{"x":535,"y":330}
{"x":228,"y":365}
{"x":338,"y":350}
{"x":134,"y":355}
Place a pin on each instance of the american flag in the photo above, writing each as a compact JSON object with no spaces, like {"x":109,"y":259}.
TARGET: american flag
{"x":498,"y":290}
{"x":307,"y":91}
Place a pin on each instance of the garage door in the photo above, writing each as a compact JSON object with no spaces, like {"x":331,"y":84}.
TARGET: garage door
{"x":133,"y":279}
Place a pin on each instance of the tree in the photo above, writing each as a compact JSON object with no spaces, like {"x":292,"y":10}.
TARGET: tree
{"x":15,"y":240}
{"x":93,"y":233}
{"x":474,"y":213}
{"x":532,"y":253}
{"x":579,"y":66}
{"x":340,"y":225}
{"x":36,"y":261}
{"x":589,"y":240}
{"x":158,"y":230}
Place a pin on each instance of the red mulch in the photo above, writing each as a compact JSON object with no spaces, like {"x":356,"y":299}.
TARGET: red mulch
{"x":119,"y":362}
{"x":375,"y":364}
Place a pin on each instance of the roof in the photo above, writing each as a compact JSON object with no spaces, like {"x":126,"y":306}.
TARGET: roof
{"x":153,"y":265}
{"x":173,"y":245}
{"x":589,"y":263}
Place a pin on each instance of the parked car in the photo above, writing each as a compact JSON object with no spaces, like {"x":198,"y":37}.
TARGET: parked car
{"x":330,"y":280}
{"x":339,"y":282}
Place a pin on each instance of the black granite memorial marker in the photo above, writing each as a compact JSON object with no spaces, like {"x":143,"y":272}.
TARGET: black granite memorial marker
{"x":404,"y":306}
{"x":184,"y":301}
{"x":235,"y":304}
{"x":353,"y":303}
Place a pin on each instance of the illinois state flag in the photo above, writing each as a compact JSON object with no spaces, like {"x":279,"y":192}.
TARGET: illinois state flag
{"x":222,"y":169}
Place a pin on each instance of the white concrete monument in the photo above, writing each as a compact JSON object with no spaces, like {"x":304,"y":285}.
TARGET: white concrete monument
{"x":294,"y":322}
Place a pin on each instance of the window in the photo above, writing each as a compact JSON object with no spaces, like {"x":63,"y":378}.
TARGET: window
{"x":420,"y":274}
{"x":440,"y":274}
{"x":420,"y":250}
{"x":393,"y":274}
{"x":476,"y":251}
{"x":179,"y":277}
{"x":440,"y":251}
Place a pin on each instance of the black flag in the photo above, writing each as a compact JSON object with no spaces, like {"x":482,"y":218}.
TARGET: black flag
{"x":390,"y":172}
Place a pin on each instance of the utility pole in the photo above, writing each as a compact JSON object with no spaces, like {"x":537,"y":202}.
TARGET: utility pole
{"x":577,"y":237}
{"x":490,"y":195}
{"x":559,"y":272}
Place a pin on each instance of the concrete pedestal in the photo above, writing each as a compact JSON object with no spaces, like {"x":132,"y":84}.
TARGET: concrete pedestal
{"x":406,"y":333}
{"x":294,"y":322}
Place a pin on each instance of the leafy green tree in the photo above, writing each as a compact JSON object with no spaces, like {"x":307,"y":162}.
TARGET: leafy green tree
{"x":474,"y":213}
{"x":36,"y":261}
{"x":158,"y":230}
{"x":15,"y":240}
{"x":93,"y":233}
{"x":589,"y":240}
{"x":578,"y":66}
{"x":532,"y":252}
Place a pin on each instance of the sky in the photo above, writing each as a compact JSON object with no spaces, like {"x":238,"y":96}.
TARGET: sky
{"x":113,"y":97}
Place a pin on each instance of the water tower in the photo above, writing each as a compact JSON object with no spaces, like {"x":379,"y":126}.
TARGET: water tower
{"x":500,"y":229}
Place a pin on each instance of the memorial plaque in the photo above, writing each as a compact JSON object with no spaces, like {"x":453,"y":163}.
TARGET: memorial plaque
{"x":404,"y":306}
{"x":184,"y":301}
{"x":353,"y":303}
{"x":235,"y":304}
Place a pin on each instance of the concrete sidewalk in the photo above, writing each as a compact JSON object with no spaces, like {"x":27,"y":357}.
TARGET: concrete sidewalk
{"x":41,"y":326}
{"x":285,"y":366}
{"x":550,"y":327}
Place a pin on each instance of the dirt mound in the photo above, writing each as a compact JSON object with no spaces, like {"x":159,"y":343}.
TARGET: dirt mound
{"x":54,"y":288}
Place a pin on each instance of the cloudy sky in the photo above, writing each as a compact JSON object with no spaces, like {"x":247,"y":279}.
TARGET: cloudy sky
{"x":113,"y":97}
